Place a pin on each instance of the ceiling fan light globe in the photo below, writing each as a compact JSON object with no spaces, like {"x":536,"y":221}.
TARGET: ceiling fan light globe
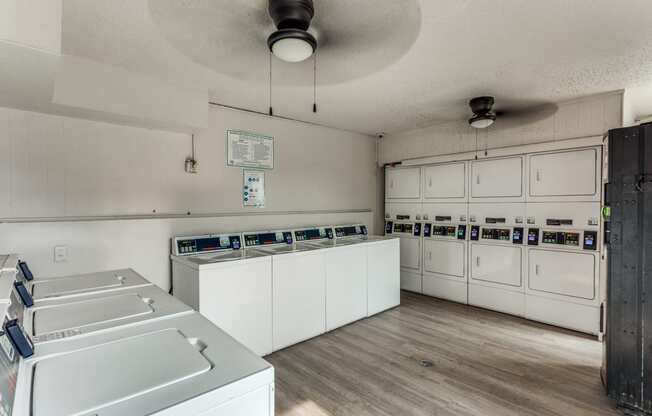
{"x":292,"y":45}
{"x":292,"y":50}
{"x":481,"y":122}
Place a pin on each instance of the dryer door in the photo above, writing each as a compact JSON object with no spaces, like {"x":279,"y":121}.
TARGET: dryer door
{"x":411,"y":253}
{"x":497,"y":265}
{"x":562,"y":273}
{"x":444,"y":257}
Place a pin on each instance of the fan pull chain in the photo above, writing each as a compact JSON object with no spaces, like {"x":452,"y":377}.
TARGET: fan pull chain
{"x":476,"y":144}
{"x":314,"y":84}
{"x":271,"y":110}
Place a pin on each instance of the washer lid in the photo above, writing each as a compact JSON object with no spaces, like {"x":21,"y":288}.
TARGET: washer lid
{"x":87,"y":380}
{"x":90,"y":312}
{"x":85,"y":283}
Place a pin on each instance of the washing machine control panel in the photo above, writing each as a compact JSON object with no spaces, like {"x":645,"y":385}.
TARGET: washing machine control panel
{"x":389,"y":227}
{"x":358,"y":230}
{"x":427,"y":229}
{"x":24,"y":271}
{"x":309,"y":234}
{"x":266,"y":238}
{"x":517,"y":235}
{"x":185,"y":246}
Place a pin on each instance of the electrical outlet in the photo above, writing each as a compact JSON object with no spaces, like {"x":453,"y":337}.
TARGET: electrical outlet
{"x":60,"y":254}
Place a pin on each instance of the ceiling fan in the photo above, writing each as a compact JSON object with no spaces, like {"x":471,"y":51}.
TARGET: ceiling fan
{"x":292,"y":42}
{"x":484,"y":114}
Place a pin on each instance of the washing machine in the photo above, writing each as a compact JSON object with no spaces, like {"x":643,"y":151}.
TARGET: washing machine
{"x":65,"y":318}
{"x":403,"y":220}
{"x":179,"y":366}
{"x":563,"y":261}
{"x":46,"y":289}
{"x":298,"y":286}
{"x":228,"y":284}
{"x":497,"y":257}
{"x":346,"y":270}
{"x":445,"y":247}
{"x":59,"y":318}
{"x":359,"y":265}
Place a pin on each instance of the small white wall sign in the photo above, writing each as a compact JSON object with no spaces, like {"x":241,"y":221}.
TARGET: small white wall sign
{"x":253,"y":188}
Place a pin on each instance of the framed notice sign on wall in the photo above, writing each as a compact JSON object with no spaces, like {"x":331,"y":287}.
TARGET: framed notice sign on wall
{"x":249,"y":150}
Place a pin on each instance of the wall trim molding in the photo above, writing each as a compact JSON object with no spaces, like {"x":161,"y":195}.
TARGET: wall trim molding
{"x":164,"y":216}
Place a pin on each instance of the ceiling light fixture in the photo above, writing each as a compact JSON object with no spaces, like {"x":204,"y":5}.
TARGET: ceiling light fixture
{"x":483,"y":117}
{"x":292,"y":42}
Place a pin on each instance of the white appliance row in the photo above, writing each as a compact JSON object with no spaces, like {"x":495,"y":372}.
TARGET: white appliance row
{"x":111,"y":343}
{"x":273,"y":289}
{"x":571,"y":175}
{"x":536,"y":260}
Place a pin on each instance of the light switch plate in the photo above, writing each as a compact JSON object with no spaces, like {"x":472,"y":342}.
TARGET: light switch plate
{"x":60,"y":254}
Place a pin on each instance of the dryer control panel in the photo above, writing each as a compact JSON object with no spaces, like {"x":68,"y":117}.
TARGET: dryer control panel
{"x":186,"y":246}
{"x":572,"y":239}
{"x":407,"y":228}
{"x":457,"y":232}
{"x":509,"y":235}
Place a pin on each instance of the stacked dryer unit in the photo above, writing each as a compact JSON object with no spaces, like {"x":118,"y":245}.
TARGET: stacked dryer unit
{"x":517,"y":233}
{"x":497,"y":257}
{"x":445,"y":238}
{"x":564,"y":238}
{"x":403,"y":220}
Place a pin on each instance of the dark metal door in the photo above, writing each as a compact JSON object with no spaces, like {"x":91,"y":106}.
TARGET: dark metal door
{"x":644,"y":186}
{"x":624,"y":287}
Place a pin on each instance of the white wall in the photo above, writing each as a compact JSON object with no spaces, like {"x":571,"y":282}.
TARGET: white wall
{"x":32,"y":23}
{"x":591,"y":116}
{"x":55,"y":168}
{"x":637,"y":104}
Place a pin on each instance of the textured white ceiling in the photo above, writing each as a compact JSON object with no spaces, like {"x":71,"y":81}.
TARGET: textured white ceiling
{"x":388,"y":65}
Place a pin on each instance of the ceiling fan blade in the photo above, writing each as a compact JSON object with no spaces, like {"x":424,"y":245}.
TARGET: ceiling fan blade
{"x":521,"y":116}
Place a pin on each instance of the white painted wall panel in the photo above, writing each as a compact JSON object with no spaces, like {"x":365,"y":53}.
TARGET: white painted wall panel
{"x":37,"y":168}
{"x":53,"y":166}
{"x":89,"y":85}
{"x":33,"y":23}
{"x":5,"y":164}
{"x":72,"y":167}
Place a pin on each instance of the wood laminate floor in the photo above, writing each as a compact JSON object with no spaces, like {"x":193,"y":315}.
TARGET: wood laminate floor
{"x":484,"y":363}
